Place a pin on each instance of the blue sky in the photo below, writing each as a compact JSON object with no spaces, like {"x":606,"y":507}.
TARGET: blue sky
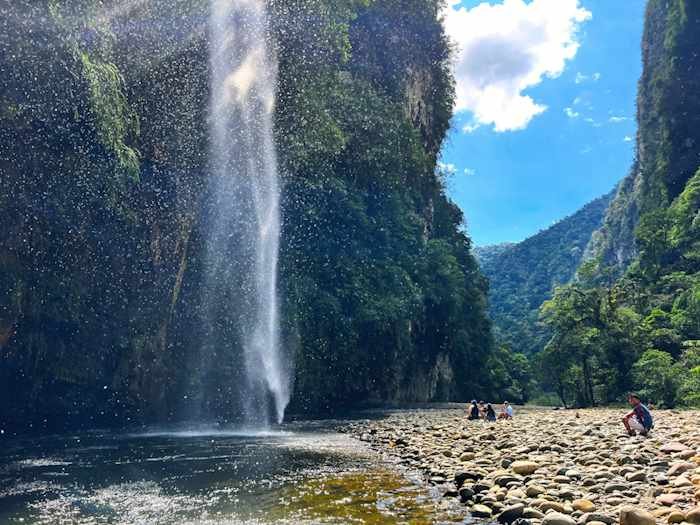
{"x":546,"y":105}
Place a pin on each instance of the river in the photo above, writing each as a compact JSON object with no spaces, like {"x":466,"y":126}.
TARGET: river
{"x":302,"y":472}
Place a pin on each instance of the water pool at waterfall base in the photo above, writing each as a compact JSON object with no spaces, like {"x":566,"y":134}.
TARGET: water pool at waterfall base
{"x":299,"y":473}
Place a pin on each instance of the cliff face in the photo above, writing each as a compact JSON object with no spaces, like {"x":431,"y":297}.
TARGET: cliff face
{"x":668,"y":147}
{"x":102,"y":172}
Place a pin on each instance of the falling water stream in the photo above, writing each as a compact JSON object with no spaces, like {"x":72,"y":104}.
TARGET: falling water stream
{"x":244,"y":229}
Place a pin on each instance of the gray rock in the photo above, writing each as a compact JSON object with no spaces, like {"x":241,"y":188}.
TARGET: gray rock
{"x":481,"y":511}
{"x":466,"y":494}
{"x":597,"y":516}
{"x":529,"y":512}
{"x":511,"y":513}
{"x":633,"y":516}
{"x":557,"y":518}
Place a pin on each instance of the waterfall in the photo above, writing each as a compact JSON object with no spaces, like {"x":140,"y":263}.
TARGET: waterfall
{"x":243,"y":229}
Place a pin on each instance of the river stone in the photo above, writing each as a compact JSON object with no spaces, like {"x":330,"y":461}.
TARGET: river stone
{"x":661,"y":479}
{"x":481,"y":486}
{"x":636,"y":476}
{"x":682,"y":481}
{"x":673,"y":446}
{"x":693,"y":516}
{"x":680,"y":467}
{"x":465,"y":494}
{"x":551,"y":505}
{"x":512,"y":513}
{"x":534,"y":490}
{"x":481,"y":511}
{"x":584,"y":505}
{"x":634,"y":516}
{"x":668,"y":499}
{"x":557,"y":518}
{"x":615,"y":487}
{"x":464,"y":475}
{"x":661,"y":512}
{"x":507,"y":479}
{"x":676,"y":516}
{"x":596,"y":516}
{"x":531,"y":513}
{"x":524,"y":468}
{"x":467,"y":456}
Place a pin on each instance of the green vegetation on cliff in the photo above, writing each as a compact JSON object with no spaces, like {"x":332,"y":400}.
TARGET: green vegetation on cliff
{"x":103,"y":120}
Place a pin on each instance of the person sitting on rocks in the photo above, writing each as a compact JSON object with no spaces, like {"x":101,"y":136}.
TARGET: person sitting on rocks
{"x":482,"y":410}
{"x":490,"y":413}
{"x":506,"y":411}
{"x":639,"y":419}
{"x":474,"y":411}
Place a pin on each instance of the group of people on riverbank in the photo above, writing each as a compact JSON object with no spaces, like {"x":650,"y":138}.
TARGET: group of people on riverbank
{"x":638,"y":421}
{"x":485,"y":411}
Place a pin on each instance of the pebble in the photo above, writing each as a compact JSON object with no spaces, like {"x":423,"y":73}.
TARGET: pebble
{"x":583,"y":505}
{"x":511,"y":513}
{"x":556,"y":518}
{"x":481,"y":511}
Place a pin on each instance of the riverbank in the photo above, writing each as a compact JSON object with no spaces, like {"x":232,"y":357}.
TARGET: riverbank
{"x":551,"y":467}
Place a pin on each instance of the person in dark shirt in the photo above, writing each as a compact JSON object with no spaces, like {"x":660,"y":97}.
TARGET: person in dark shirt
{"x":474,"y":410}
{"x":639,"y":419}
{"x":490,"y":413}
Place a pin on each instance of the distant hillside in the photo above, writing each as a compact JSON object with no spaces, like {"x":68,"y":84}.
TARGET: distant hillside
{"x":487,"y":254}
{"x":523,"y":275}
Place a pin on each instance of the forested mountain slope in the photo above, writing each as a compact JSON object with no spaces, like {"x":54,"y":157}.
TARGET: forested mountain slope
{"x":633,"y":319}
{"x":103,"y":124}
{"x":523,"y":275}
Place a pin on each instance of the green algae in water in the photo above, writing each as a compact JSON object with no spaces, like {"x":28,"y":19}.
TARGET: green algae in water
{"x":369,"y":497}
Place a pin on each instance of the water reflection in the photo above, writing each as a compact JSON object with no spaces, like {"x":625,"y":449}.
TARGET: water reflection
{"x":303,"y":473}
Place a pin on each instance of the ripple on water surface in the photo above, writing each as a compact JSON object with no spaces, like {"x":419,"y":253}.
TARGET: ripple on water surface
{"x":207,"y":476}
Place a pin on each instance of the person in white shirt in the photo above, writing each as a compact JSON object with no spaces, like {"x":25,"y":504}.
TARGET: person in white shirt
{"x":506,"y":411}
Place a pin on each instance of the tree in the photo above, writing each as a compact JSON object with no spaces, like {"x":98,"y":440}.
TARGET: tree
{"x":656,"y":377}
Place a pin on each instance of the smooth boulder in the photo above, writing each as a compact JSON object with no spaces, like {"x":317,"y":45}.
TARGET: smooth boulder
{"x":557,"y":518}
{"x":634,"y":516}
{"x":524,"y":468}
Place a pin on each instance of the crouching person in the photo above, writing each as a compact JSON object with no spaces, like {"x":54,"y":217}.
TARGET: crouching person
{"x":639,"y":420}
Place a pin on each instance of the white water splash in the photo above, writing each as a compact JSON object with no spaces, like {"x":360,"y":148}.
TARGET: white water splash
{"x":246,"y":213}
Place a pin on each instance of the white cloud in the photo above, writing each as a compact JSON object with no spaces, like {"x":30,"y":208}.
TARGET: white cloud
{"x":627,"y":138}
{"x":581,"y":78}
{"x":571,"y":113}
{"x":471,"y":127}
{"x":505,"y":48}
{"x":469,"y":171}
{"x":616,"y":120}
{"x":576,"y":101}
{"x":447,"y":167}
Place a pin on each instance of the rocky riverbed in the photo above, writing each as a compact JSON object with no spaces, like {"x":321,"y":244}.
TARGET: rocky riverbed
{"x":551,"y":467}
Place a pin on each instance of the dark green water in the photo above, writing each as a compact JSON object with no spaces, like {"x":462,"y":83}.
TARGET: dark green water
{"x":301,"y":473}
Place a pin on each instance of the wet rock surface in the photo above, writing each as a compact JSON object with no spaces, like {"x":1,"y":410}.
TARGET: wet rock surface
{"x":551,"y":467}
